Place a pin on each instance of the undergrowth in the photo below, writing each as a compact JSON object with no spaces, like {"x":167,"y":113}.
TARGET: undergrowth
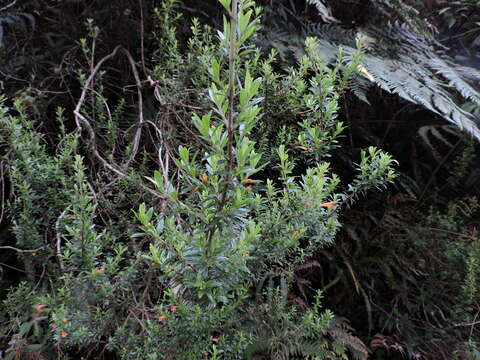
{"x":175,"y":237}
{"x":200,"y":200}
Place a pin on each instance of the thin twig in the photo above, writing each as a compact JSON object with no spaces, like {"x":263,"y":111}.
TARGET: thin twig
{"x":22,"y":250}
{"x":8,"y":6}
{"x":80,"y":119}
{"x":39,"y":280}
{"x":82,"y":123}
{"x":138,"y":320}
{"x":104,"y":103}
{"x":142,"y":34}
{"x":2,"y":179}
{"x":186,"y":127}
{"x":434,"y":173}
{"x":12,"y":267}
{"x":467,"y":324}
{"x":475,"y":238}
{"x":474,"y":323}
{"x":59,"y":239}
{"x":138,"y":134}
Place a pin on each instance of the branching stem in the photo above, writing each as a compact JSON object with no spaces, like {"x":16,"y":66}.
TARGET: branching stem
{"x":232,"y":59}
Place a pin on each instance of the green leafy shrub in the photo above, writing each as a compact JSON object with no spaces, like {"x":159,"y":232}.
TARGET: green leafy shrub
{"x":209,"y":272}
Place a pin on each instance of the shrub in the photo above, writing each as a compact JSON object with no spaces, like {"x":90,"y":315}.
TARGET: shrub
{"x":209,"y":272}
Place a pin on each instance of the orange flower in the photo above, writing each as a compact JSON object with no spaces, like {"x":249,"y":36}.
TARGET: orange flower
{"x":173,"y":308}
{"x":303,"y":147}
{"x":54,"y":326}
{"x":204,"y":177}
{"x":246,"y":255}
{"x":215,"y":340}
{"x":100,"y":271}
{"x":247,"y":181}
{"x":329,"y":204}
{"x":63,"y":334}
{"x":161,"y":318}
{"x":249,"y":187}
{"x":40,"y":307}
{"x":65,"y":320}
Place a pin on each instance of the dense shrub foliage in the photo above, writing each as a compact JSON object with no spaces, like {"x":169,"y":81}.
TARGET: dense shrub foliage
{"x":211,"y":207}
{"x":219,"y":240}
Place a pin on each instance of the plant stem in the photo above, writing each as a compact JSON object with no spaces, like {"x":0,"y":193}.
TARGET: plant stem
{"x":232,"y":56}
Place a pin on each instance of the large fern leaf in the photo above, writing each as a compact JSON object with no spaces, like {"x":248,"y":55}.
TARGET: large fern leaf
{"x":416,"y":72}
{"x":405,"y":59}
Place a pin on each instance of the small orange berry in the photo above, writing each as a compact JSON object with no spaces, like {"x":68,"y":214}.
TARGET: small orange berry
{"x":215,"y":340}
{"x":328,"y":204}
{"x":161,"y":318}
{"x":65,"y":320}
{"x":63,"y":334}
{"x":249,"y":187}
{"x":173,"y":308}
{"x":246,"y":255}
{"x":40,"y":307}
{"x":247,"y":181}
{"x":303,"y":147}
{"x":100,"y":271}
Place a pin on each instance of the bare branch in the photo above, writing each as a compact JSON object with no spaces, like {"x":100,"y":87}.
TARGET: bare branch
{"x":22,"y":250}
{"x":8,"y":6}
{"x":138,"y":134}
{"x":83,"y":123}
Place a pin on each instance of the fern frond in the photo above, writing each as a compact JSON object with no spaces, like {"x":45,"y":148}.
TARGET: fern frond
{"x":323,"y":10}
{"x":406,"y":60}
{"x":308,"y":349}
{"x":456,"y":79}
{"x":417,"y":83}
{"x":340,"y":332}
{"x":16,"y":19}
{"x":359,"y":86}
